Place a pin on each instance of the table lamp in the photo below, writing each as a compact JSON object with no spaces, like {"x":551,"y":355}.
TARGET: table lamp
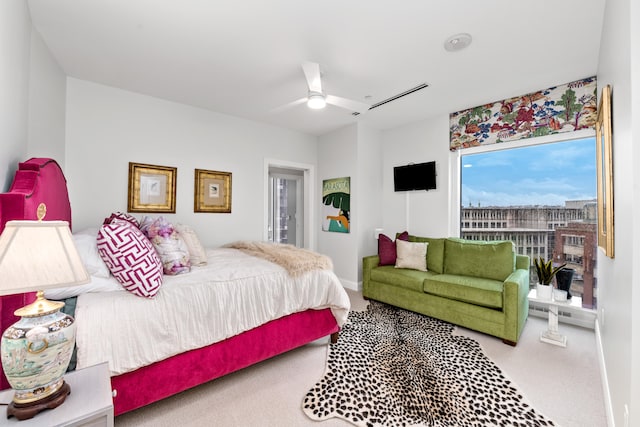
{"x":36,"y":350}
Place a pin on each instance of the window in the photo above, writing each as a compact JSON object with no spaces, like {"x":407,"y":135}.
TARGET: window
{"x":545,"y":196}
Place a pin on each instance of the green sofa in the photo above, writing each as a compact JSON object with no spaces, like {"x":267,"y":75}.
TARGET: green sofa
{"x":477,"y":285}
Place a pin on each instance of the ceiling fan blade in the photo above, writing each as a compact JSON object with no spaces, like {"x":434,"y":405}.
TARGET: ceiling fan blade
{"x":312,"y":73}
{"x":291,"y":104}
{"x":348,"y":104}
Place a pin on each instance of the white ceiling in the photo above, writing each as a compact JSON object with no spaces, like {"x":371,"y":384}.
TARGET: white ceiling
{"x":244,"y":57}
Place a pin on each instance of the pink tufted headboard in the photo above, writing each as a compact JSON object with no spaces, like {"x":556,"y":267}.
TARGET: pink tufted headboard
{"x":38,"y":180}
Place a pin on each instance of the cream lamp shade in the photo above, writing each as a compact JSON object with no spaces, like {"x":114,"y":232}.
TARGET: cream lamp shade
{"x":35,"y":256}
{"x":39,"y":255}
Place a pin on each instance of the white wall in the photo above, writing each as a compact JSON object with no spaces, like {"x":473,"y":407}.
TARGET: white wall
{"x":422,"y":213}
{"x":15,"y":31}
{"x":107,"y":128}
{"x":618,"y":289}
{"x":32,"y":89}
{"x":47,"y":98}
{"x":368,"y":193}
{"x":354,"y":151}
{"x":337,"y":158}
{"x":634,"y":50}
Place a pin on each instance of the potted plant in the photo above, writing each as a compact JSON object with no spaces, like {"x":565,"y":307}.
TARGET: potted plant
{"x":564,"y":278}
{"x":546,"y":271}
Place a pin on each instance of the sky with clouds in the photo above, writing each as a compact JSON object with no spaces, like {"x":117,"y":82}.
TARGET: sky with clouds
{"x":546,"y":174}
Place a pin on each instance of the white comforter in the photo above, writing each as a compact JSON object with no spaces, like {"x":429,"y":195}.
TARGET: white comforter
{"x":234,"y":293}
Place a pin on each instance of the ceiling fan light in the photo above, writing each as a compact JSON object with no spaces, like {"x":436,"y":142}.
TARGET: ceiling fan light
{"x":316,"y":101}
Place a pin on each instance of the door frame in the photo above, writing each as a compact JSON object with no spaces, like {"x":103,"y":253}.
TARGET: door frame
{"x":308,"y":197}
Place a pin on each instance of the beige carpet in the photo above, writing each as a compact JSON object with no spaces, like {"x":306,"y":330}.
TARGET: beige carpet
{"x":562,"y":383}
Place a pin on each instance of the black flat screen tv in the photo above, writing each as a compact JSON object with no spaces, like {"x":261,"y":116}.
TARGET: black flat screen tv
{"x":417,"y":176}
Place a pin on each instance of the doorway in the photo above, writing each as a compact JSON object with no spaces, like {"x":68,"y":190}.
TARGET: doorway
{"x":287,"y":205}
{"x":286,"y":211}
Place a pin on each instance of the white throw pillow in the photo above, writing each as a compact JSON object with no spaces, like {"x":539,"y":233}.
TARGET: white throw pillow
{"x":411,"y":255}
{"x":97,"y":284}
{"x":197,"y":252}
{"x":86,"y":243}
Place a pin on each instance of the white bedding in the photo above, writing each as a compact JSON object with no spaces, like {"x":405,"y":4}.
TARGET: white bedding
{"x":234,"y":293}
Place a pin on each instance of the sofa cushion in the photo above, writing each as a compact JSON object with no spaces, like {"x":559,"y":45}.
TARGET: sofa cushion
{"x":401,"y":277}
{"x":411,"y":255}
{"x":387,"y":248}
{"x":489,"y":260}
{"x":435,"y":253}
{"x":474,"y":290}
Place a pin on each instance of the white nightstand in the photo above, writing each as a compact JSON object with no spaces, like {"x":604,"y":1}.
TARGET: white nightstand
{"x":89,"y":403}
{"x":551,"y":335}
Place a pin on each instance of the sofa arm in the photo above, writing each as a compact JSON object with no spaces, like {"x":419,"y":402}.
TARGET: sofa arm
{"x":368,"y":264}
{"x":516,"y":304}
{"x":522,"y":262}
{"x":517,"y":283}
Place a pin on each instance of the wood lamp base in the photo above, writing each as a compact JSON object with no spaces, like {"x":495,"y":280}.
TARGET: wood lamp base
{"x":24,"y":411}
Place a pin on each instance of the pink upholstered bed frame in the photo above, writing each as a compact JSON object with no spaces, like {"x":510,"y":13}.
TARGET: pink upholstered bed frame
{"x":41,"y":180}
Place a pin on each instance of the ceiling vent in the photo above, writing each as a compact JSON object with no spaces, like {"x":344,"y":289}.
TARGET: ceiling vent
{"x":394,"y":97}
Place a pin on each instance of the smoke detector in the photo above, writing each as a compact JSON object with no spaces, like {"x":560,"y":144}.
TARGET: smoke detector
{"x":457,"y":42}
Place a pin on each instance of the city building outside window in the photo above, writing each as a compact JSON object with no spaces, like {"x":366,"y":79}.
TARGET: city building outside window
{"x":545,"y":196}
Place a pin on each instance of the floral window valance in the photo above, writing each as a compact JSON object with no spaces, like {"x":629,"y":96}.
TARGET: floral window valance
{"x":564,"y":108}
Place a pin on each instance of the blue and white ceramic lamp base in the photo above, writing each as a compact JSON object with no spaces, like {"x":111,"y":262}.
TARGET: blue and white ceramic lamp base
{"x":35,"y":355}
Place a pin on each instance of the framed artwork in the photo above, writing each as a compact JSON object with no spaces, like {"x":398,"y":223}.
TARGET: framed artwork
{"x":152,"y":188}
{"x":336,"y":209}
{"x":212,"y":191}
{"x":604,"y":163}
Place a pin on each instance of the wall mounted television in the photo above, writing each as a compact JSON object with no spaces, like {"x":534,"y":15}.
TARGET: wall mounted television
{"x":416,"y":176}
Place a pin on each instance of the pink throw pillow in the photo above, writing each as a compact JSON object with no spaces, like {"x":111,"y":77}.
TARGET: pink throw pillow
{"x":387,"y":248}
{"x":123,"y":216}
{"x":130,"y":257}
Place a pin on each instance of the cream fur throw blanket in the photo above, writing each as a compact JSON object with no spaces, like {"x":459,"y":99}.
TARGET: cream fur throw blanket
{"x":295,"y":260}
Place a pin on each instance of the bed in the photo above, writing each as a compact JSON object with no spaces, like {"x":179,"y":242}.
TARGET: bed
{"x":221,"y":334}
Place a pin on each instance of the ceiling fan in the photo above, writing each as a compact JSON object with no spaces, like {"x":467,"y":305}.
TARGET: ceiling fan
{"x":317,"y":99}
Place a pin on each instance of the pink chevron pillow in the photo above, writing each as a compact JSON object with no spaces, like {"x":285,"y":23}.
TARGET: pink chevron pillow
{"x":130,"y":257}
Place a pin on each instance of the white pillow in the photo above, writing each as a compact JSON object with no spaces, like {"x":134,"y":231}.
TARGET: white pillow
{"x":197,"y":253}
{"x":411,"y":255}
{"x":97,"y":284}
{"x":87,"y":246}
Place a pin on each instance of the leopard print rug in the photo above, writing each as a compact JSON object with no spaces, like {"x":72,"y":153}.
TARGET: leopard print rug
{"x":393,"y":367}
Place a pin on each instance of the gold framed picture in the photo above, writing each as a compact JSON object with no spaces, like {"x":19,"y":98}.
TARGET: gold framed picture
{"x":212,"y":191}
{"x":604,"y":163}
{"x":152,"y":188}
